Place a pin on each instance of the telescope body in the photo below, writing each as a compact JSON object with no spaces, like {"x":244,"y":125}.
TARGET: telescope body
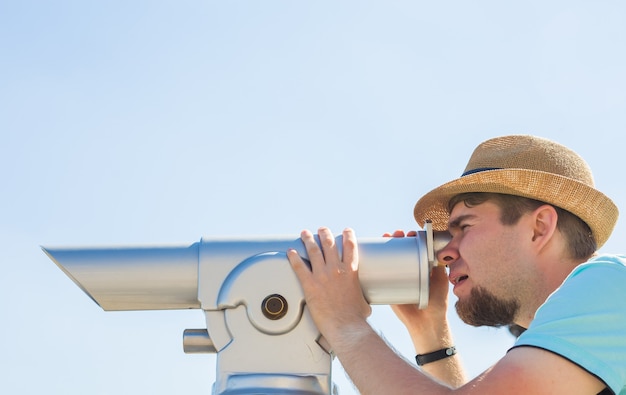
{"x":117,"y":278}
{"x":257,"y":321}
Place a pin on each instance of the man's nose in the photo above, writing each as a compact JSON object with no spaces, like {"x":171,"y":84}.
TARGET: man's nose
{"x":448,"y":254}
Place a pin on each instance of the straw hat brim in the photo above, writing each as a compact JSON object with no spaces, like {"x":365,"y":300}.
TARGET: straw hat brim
{"x":589,"y":204}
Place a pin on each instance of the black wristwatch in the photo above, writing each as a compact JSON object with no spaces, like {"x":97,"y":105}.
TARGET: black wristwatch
{"x":423,"y":359}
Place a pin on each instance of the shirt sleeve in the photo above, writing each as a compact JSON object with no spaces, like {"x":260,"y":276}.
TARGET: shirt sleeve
{"x":585,"y":321}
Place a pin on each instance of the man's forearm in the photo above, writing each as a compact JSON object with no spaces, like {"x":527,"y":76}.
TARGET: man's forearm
{"x":448,"y":370}
{"x":376,"y":369}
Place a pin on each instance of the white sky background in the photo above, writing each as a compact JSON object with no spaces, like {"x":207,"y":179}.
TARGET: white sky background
{"x":159,"y":122}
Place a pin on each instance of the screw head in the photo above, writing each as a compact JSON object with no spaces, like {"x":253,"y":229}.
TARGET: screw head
{"x":274,"y":307}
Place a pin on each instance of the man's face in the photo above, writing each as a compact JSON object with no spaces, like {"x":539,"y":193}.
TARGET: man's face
{"x":485,"y":259}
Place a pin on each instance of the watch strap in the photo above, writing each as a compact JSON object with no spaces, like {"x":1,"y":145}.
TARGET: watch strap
{"x":423,"y":359}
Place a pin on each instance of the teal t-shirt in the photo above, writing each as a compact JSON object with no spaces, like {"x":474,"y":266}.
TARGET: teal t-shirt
{"x":585,"y":320}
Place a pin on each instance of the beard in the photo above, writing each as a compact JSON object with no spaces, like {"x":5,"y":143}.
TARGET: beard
{"x":483,"y":308}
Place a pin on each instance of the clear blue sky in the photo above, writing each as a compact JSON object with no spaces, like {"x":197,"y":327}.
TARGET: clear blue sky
{"x":159,"y":122}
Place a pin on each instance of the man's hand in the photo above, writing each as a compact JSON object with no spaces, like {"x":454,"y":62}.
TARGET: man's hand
{"x":435,"y":314}
{"x":429,"y":328}
{"x":331,"y":287}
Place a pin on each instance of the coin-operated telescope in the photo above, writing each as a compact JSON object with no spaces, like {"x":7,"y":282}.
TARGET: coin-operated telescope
{"x":257,"y":321}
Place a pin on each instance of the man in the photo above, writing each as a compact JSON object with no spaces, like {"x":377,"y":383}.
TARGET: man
{"x":526,"y":221}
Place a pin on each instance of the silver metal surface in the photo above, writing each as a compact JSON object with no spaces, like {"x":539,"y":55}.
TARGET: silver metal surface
{"x":133,"y":277}
{"x":197,"y":341}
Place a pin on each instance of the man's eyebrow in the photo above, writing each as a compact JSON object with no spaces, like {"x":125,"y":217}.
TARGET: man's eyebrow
{"x":455,"y":223}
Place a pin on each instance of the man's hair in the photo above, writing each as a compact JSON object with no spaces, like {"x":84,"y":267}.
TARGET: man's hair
{"x":580,"y":241}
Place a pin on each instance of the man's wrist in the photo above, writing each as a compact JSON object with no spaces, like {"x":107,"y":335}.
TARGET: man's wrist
{"x":423,"y":359}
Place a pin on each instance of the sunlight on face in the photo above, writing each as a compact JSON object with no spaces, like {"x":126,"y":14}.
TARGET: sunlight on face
{"x":487,"y":265}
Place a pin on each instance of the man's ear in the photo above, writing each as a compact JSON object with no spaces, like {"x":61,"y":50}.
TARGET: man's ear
{"x":544,"y":222}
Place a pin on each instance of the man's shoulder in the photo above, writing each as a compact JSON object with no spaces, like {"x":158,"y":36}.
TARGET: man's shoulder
{"x":597,"y":282}
{"x":619,"y":259}
{"x":602,"y":265}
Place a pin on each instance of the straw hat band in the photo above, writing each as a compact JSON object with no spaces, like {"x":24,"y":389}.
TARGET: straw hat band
{"x":467,"y":173}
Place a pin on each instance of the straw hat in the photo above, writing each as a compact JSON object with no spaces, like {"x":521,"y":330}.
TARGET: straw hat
{"x":527,"y":166}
